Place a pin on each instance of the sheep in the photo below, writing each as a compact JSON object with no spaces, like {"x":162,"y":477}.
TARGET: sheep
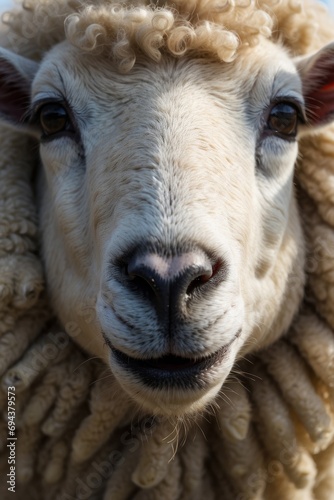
{"x":261,"y":284}
{"x":125,"y":64}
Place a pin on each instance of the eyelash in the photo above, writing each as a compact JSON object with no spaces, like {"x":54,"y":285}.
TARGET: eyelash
{"x":35,"y":119}
{"x":268,"y":129}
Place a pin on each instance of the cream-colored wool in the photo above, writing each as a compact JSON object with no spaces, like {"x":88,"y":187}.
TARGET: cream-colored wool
{"x":252,"y":439}
{"x":275,"y":427}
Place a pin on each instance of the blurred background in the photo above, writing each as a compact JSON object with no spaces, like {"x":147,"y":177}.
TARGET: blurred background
{"x":5,"y":4}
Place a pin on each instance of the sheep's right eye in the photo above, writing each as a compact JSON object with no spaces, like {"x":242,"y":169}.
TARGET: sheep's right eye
{"x":54,"y":119}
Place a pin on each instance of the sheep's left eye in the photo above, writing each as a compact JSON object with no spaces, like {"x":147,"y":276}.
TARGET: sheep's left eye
{"x":283,"y":120}
{"x":54,"y":119}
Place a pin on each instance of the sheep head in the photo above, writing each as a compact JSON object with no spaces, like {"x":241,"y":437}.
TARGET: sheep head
{"x":167,"y":206}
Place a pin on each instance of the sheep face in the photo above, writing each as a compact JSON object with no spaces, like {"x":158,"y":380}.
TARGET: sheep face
{"x":171,"y":235}
{"x":167,"y":208}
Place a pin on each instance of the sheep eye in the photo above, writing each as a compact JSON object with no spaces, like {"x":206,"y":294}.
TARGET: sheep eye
{"x":54,"y":119}
{"x":283,"y":120}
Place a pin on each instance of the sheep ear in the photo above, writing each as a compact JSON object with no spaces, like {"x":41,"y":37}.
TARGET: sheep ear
{"x":317,"y":75}
{"x":16,"y":76}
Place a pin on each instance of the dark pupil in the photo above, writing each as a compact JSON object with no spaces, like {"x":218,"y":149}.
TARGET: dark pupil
{"x":53,"y":118}
{"x":283,"y":119}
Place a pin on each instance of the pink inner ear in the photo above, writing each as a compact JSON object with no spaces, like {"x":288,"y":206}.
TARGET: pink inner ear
{"x":319,"y":98}
{"x":14,"y":96}
{"x":328,"y":87}
{"x":320,"y":105}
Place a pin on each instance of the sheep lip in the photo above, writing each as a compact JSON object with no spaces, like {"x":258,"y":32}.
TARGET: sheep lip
{"x":170,"y":368}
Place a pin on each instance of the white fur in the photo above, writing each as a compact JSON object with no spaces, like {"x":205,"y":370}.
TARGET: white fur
{"x":168,"y":156}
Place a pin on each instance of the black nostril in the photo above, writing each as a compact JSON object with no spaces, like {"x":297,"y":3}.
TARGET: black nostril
{"x":210,"y":275}
{"x":198,"y":282}
{"x":146,"y":281}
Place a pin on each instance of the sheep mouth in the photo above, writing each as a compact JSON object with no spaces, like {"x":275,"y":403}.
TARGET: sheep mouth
{"x":172,"y":371}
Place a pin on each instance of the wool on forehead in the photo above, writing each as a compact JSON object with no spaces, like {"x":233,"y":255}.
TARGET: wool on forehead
{"x":217,"y":29}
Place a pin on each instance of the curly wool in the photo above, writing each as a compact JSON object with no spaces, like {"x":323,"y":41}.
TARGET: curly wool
{"x":217,"y":29}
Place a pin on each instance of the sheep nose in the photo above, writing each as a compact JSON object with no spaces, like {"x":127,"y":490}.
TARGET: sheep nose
{"x":169,"y":281}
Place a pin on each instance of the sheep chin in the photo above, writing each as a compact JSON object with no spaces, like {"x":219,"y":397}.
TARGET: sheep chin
{"x":165,"y":405}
